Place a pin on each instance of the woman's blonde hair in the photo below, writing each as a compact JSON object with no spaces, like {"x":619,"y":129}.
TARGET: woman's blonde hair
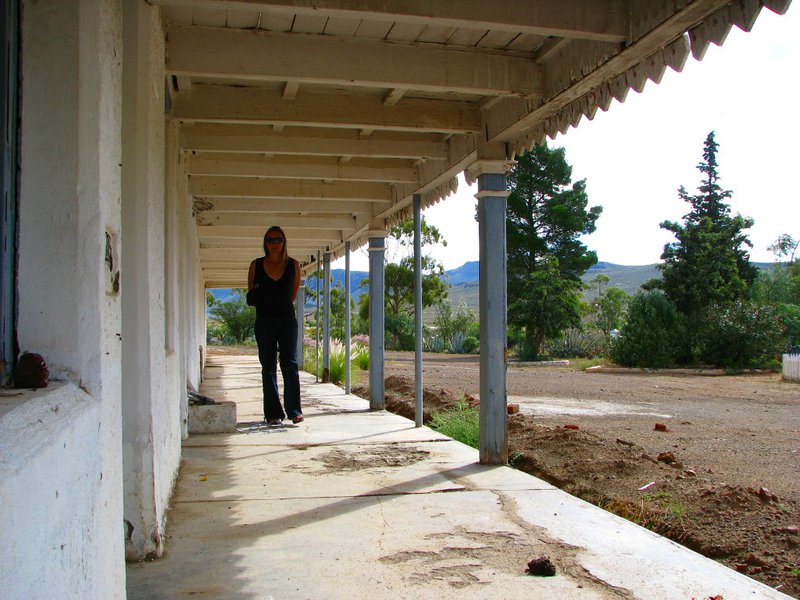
{"x":284,"y":252}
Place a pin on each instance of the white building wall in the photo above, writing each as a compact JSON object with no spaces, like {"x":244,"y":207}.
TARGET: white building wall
{"x":150,"y":403}
{"x":194,"y":296}
{"x":60,"y":474}
{"x":150,"y":399}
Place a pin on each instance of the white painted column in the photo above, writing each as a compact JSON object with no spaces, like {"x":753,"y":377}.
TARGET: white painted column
{"x":151,"y":422}
{"x":377,"y":250}
{"x":492,"y":194}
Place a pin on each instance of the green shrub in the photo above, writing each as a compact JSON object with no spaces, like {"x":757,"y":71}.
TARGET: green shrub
{"x":399,"y":330}
{"x":515,"y":337}
{"x":454,"y":329}
{"x":790,"y":313}
{"x":359,"y":357}
{"x":471,"y":345}
{"x":461,"y":423}
{"x":654,"y":335}
{"x":740,"y":334}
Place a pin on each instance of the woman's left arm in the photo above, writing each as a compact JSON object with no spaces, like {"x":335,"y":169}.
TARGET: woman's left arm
{"x":296,"y":282}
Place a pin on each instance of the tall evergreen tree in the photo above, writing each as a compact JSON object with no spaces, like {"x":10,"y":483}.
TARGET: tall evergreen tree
{"x":709,"y":263}
{"x":545,"y":218}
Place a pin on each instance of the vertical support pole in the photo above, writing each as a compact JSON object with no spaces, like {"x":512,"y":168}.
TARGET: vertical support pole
{"x":418,"y":309}
{"x":347,"y":334}
{"x":301,"y":326}
{"x":376,"y":319}
{"x":316,"y":325}
{"x":492,"y":293}
{"x":326,"y":323}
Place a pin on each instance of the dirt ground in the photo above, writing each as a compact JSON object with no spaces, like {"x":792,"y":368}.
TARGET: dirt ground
{"x":720,"y":474}
{"x":723,"y":478}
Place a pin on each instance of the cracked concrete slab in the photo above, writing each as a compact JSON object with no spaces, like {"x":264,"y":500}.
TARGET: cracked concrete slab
{"x":360,"y":504}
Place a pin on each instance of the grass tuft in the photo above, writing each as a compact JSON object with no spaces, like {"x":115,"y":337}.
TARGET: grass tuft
{"x":460,"y":423}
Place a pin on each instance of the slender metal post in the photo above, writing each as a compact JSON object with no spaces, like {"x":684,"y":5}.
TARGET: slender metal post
{"x":347,"y":334}
{"x":326,"y":335}
{"x":316,"y":324}
{"x":418,"y":309}
{"x":492,"y":293}
{"x":376,"y":322}
{"x":301,"y":326}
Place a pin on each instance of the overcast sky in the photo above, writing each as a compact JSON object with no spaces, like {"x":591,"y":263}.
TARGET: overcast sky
{"x":636,"y":155}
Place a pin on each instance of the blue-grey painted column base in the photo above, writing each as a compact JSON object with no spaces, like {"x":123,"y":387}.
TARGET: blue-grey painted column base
{"x":493,"y":447}
{"x":376,"y":323}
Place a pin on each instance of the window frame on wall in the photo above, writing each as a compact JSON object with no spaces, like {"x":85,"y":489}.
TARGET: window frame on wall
{"x":9,"y":175}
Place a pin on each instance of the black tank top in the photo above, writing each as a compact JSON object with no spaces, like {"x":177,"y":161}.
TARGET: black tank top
{"x":275,"y":298}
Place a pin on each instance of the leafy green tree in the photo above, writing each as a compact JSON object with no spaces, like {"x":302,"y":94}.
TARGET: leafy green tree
{"x":597,"y":282}
{"x":709,"y":263}
{"x":611,"y":309}
{"x":399,"y":275}
{"x":233,"y":321}
{"x":780,"y":285}
{"x":338,"y":305}
{"x":455,"y":329}
{"x":654,"y":335}
{"x":740,"y":334}
{"x":775,"y":285}
{"x":399,"y":283}
{"x":545,"y":218}
{"x":785,"y":247}
{"x":785,"y":278}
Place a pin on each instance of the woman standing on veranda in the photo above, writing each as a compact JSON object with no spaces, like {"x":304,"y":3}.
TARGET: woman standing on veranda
{"x":272,"y":284}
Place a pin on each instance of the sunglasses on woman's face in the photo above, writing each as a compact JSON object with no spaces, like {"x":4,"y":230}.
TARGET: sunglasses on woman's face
{"x":274,"y":240}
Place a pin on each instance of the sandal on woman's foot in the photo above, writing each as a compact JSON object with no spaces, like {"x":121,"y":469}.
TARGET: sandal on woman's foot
{"x":274,"y":422}
{"x":298,"y":419}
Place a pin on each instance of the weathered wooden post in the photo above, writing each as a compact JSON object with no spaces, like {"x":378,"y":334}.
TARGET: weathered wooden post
{"x":492,"y":302}
{"x":376,"y":318}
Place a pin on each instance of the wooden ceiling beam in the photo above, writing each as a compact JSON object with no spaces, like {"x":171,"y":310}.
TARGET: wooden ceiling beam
{"x":282,"y":206}
{"x":348,"y":110}
{"x":286,"y":189}
{"x":328,"y":60}
{"x":248,"y":165}
{"x":215,"y":137}
{"x":336,"y":223}
{"x":299,"y":234}
{"x":601,"y":20}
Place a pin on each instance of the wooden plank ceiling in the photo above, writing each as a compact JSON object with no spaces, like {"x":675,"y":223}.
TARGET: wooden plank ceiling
{"x":326,"y":116}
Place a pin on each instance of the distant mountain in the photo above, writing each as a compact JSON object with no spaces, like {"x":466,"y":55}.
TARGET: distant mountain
{"x":463,"y":281}
{"x":626,"y":277}
{"x":466,"y":273}
{"x":337,"y":278}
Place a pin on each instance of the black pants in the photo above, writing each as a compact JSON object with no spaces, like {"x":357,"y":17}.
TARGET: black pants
{"x":278,"y":335}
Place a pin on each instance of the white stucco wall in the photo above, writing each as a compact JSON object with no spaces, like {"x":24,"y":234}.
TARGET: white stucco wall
{"x":150,"y":370}
{"x":60,"y":460}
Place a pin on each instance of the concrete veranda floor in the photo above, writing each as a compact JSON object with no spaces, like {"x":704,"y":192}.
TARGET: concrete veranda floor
{"x":355,"y":503}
